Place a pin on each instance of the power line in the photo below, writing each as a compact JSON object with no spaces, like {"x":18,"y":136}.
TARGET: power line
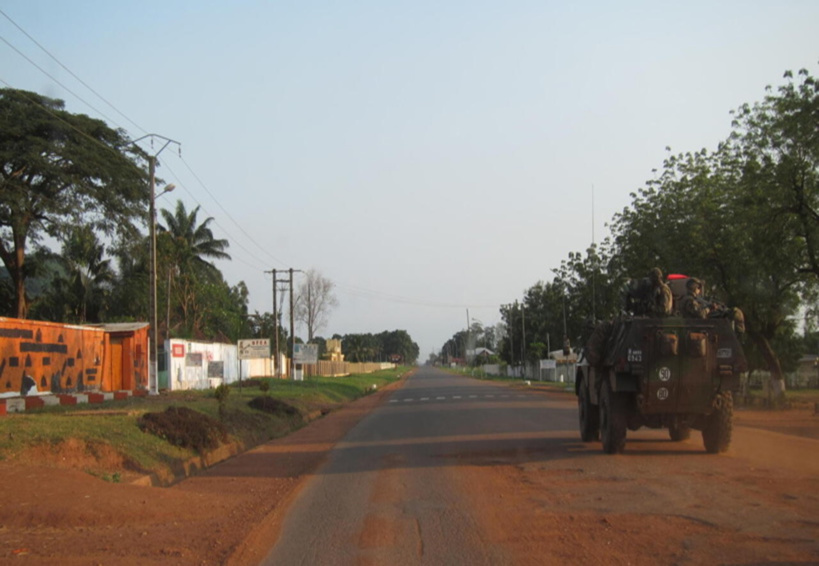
{"x":60,"y":119}
{"x":358,"y":291}
{"x":222,"y":227}
{"x":378,"y":295}
{"x":239,"y":226}
{"x":69,"y":71}
{"x":46,"y":73}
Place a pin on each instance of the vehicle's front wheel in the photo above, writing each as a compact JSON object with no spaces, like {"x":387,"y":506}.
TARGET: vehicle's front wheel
{"x":589,"y":415}
{"x":679,"y":432}
{"x":719,"y":425}
{"x":613,"y":419}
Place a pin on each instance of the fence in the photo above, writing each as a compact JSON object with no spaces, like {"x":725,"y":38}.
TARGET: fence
{"x":563,"y":372}
{"x":801,"y":379}
{"x":336,"y":369}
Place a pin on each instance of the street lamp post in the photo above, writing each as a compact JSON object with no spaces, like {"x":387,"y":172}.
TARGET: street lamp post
{"x":153,"y":377}
{"x":153,"y":346}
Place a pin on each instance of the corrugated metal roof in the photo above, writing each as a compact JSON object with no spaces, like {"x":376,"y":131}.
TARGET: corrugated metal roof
{"x":120,"y":326}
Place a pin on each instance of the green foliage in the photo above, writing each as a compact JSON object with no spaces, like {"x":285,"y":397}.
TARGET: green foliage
{"x":380,"y":347}
{"x":221,"y":393}
{"x":201,"y":302}
{"x":744,"y":217}
{"x":58,"y":168}
{"x":80,"y":280}
{"x":115,"y":423}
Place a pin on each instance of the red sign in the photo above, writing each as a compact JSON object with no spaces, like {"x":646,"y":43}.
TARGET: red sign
{"x":178,"y":350}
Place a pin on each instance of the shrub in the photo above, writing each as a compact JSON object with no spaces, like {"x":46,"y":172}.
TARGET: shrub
{"x":221,"y":393}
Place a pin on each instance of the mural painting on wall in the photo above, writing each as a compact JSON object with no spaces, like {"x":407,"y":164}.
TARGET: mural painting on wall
{"x":37,"y":358}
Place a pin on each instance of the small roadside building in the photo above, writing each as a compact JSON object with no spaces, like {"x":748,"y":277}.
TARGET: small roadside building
{"x":38,"y":357}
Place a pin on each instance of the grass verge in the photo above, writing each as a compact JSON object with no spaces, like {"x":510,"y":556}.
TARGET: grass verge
{"x":105,"y":439}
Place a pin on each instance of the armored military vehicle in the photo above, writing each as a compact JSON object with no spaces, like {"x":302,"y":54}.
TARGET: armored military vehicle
{"x":659,"y":372}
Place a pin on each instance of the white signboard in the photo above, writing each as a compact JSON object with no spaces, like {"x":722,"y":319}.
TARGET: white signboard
{"x":305,"y":353}
{"x":255,"y":348}
{"x":548,"y":364}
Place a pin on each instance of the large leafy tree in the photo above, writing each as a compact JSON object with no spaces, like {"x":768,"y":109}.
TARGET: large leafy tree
{"x":699,"y":218}
{"x":360,"y":347}
{"x":398,"y":343}
{"x":56,"y":166}
{"x":776,"y":144}
{"x":379,"y":347}
{"x":743,"y":216}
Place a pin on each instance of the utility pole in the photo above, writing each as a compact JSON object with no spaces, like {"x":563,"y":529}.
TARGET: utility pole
{"x":523,"y":333}
{"x":276,"y":371}
{"x":468,"y":332}
{"x":153,"y":373}
{"x":276,"y":313}
{"x":292,"y":324}
{"x":511,"y":331}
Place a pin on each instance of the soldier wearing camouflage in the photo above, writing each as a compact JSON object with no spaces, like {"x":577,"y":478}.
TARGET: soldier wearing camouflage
{"x":693,"y":306}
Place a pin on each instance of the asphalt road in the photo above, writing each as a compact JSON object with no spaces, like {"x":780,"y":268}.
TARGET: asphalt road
{"x":451,"y":470}
{"x":390,"y":493}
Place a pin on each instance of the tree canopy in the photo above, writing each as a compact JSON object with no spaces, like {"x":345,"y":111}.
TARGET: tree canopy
{"x":743,"y":216}
{"x":383,"y":347}
{"x":60,"y":169}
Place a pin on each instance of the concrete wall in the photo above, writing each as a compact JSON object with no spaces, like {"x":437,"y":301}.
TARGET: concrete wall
{"x":200,"y":365}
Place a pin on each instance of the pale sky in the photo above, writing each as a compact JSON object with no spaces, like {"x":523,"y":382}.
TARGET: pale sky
{"x":427,"y":157}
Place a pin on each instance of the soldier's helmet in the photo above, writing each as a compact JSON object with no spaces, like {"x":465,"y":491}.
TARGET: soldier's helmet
{"x":693,"y":283}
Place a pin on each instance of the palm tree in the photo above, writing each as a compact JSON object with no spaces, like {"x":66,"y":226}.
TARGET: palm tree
{"x":77,"y":283}
{"x":90,"y":274}
{"x":192,"y":244}
{"x":185,"y":247}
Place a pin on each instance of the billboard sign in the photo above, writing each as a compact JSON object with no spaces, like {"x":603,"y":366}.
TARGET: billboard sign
{"x":305,"y":353}
{"x":254,"y":349}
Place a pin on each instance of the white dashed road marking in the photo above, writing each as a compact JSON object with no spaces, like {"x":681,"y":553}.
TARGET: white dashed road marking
{"x":453,"y":397}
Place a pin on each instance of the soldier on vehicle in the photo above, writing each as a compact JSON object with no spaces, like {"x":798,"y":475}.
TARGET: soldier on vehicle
{"x":693,"y":305}
{"x":661,"y":301}
{"x":649,"y":296}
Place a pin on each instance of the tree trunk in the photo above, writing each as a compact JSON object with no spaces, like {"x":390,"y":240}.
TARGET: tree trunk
{"x":777,"y":386}
{"x":18,"y":277}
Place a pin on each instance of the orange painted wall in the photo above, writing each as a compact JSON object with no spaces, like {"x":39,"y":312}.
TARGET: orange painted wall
{"x":64,"y":358}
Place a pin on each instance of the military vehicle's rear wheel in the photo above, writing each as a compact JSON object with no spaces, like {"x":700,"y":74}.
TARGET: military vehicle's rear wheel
{"x":718,"y":426}
{"x":679,"y":432}
{"x":613,"y":407}
{"x":589,"y":415}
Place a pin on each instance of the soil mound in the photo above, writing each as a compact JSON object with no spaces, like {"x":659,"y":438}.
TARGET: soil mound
{"x":274,"y":406}
{"x":184,"y":427}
